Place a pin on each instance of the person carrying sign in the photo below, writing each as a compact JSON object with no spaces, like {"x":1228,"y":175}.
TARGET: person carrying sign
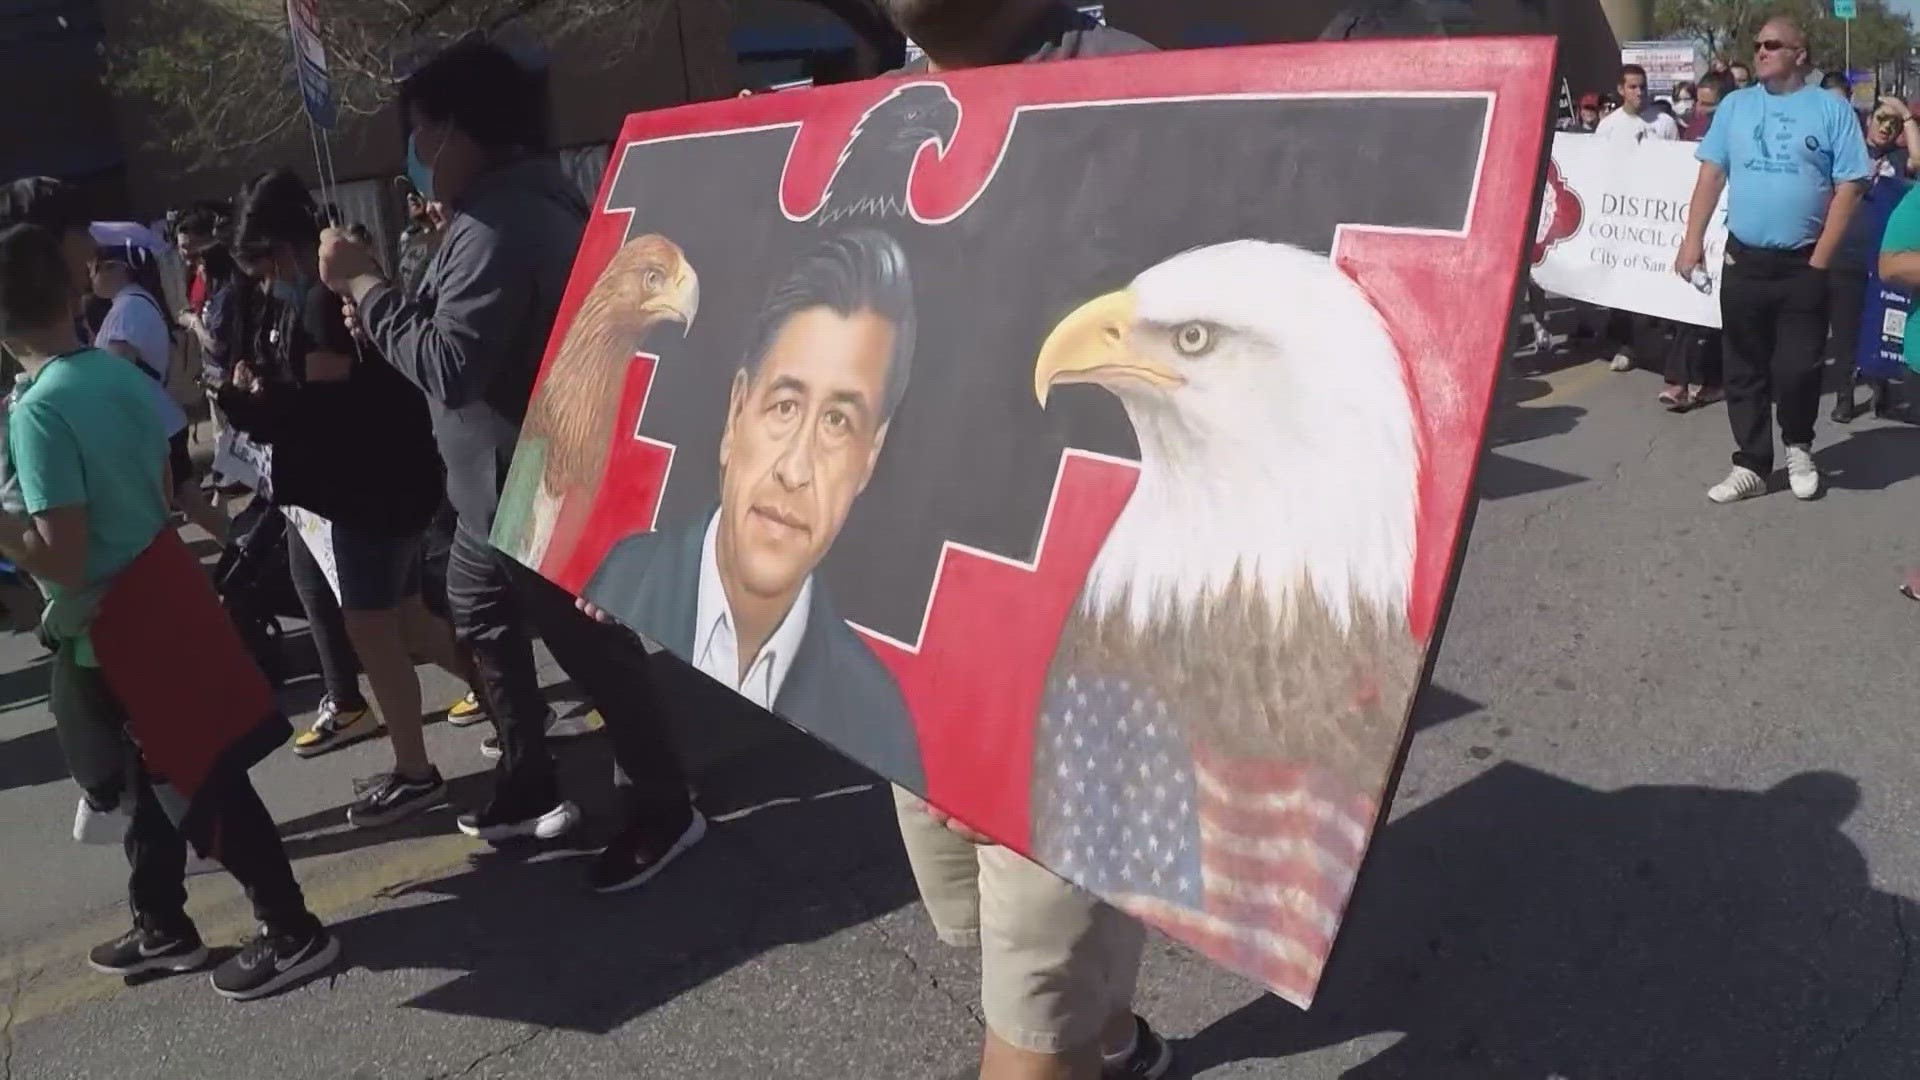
{"x":1792,"y":162}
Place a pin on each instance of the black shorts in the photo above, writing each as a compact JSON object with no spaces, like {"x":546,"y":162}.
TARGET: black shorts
{"x":178,"y":459}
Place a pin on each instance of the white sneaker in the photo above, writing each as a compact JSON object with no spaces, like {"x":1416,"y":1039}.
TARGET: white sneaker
{"x":92,"y":826}
{"x":1803,"y":476}
{"x":1741,"y":483}
{"x":1621,"y":362}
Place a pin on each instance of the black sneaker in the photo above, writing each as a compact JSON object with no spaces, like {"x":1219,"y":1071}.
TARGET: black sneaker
{"x":501,"y":821}
{"x":390,"y":797}
{"x":150,"y":947}
{"x":275,"y":960}
{"x":1150,"y":1060}
{"x":641,"y":851}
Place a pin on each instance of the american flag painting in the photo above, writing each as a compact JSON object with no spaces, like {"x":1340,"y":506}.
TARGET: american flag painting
{"x":1250,"y":862}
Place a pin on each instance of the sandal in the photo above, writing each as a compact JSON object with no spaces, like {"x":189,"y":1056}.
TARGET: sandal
{"x":1675,"y":398}
{"x":1705,"y":395}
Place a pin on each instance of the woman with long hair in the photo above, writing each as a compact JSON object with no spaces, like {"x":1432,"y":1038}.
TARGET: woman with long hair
{"x":352,"y":444}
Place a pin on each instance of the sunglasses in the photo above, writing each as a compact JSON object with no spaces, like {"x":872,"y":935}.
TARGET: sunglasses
{"x":1772,"y":45}
{"x":1885,"y":118}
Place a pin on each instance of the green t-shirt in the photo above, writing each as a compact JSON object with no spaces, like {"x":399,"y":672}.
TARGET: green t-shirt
{"x":1903,"y":234}
{"x":84,"y":432}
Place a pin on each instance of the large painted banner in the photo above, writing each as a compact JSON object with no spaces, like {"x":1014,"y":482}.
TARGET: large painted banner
{"x":1085,"y":447}
{"x":1611,"y":220}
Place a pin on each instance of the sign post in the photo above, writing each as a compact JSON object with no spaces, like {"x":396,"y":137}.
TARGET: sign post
{"x":1846,"y":11}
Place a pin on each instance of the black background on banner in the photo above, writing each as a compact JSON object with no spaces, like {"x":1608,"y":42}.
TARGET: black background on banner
{"x":1084,"y":199}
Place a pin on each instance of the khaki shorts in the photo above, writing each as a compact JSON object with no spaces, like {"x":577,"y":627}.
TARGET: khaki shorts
{"x":1055,"y":963}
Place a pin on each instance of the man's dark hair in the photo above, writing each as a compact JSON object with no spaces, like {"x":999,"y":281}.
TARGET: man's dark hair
{"x":277,"y":209}
{"x":1720,"y":81}
{"x":34,"y":289}
{"x":1834,"y":80}
{"x":43,"y":201}
{"x":483,"y":91}
{"x":1631,"y":69}
{"x":862,"y":270}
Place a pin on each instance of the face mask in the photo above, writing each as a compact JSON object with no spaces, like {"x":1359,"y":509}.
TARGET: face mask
{"x":289,"y":291}
{"x":419,"y":173}
{"x":1683,"y":107}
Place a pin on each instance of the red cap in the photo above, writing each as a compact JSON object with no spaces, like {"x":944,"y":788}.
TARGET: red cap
{"x":1589,"y":100}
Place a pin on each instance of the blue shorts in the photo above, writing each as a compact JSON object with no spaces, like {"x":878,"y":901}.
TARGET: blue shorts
{"x":376,"y":572}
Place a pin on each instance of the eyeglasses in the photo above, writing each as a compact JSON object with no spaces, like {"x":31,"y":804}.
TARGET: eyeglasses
{"x":1772,"y":45}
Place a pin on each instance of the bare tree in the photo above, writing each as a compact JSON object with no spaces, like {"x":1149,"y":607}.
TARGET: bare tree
{"x":218,"y":74}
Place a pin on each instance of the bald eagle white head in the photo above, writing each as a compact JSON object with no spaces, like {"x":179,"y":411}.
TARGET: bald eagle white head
{"x":1278,"y":443}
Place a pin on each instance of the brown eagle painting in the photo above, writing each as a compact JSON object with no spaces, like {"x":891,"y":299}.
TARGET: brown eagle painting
{"x":569,"y":430}
{"x":1239,"y":662}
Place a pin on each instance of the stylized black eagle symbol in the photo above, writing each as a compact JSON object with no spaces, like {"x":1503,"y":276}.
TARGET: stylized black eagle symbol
{"x":871,"y":178}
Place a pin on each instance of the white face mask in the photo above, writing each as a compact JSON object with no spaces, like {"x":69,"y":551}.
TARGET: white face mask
{"x":1683,"y":106}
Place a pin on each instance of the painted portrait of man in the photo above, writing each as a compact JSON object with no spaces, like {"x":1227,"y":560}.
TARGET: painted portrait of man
{"x":808,"y":410}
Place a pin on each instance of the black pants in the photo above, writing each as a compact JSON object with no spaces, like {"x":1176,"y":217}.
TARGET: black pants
{"x":1773,"y":310}
{"x":239,"y":831}
{"x":494,"y":600}
{"x":1694,"y":357}
{"x":1846,"y":304}
{"x":339,"y":665}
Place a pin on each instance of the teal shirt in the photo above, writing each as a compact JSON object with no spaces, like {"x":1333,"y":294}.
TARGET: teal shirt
{"x":84,"y":433}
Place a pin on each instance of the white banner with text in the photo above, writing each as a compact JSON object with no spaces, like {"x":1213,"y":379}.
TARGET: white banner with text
{"x":1612,"y":216}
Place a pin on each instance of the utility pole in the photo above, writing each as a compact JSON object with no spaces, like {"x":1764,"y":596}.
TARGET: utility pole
{"x":1631,"y":20}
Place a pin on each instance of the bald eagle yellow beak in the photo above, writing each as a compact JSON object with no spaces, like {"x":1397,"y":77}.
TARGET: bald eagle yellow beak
{"x":1095,"y":345}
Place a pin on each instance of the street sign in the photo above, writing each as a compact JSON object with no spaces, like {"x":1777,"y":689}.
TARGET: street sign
{"x":310,"y":62}
{"x":1845,"y":9}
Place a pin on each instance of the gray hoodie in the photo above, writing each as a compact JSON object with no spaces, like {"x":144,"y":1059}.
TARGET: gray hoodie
{"x":473,"y":336}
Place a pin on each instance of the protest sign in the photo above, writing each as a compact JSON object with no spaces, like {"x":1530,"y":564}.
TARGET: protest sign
{"x":1881,"y":353}
{"x":1666,"y":63}
{"x":239,"y":460}
{"x":1612,"y":217}
{"x":1011,"y":387}
{"x":317,"y":533}
{"x":310,"y":62}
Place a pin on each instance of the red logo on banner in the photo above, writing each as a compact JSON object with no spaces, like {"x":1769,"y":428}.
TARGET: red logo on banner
{"x":1560,"y":214}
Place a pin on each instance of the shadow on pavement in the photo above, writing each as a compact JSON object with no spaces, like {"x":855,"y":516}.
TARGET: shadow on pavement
{"x":1527,"y":927}
{"x":31,"y":760}
{"x":25,"y":687}
{"x":1502,"y":477}
{"x":802,"y":845}
{"x":1872,"y":459}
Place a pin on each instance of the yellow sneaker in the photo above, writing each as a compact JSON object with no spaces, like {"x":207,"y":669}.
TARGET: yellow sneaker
{"x":335,"y":727}
{"x":467,"y":711}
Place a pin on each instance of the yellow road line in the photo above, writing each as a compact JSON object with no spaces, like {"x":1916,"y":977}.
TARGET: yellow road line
{"x":54,"y":977}
{"x":1569,"y":382}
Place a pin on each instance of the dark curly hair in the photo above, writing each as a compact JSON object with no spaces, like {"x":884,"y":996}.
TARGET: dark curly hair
{"x":277,"y":209}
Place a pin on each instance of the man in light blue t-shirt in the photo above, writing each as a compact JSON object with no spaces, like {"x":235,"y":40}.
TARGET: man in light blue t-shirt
{"x":1793,"y":163}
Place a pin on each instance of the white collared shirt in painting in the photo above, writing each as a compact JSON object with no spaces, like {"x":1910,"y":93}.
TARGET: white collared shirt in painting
{"x":716,"y":645}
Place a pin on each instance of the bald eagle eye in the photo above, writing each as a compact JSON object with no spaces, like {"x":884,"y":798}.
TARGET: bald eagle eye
{"x":1193,"y":339}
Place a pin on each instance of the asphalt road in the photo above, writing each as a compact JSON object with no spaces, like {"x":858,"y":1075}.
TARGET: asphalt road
{"x":1658,"y":821}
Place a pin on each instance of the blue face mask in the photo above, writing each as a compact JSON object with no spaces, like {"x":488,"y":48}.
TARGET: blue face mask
{"x":419,"y":173}
{"x":289,"y":291}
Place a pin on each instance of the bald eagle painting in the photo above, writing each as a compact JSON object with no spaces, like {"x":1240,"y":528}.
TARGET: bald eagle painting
{"x":1226,"y":700}
{"x":569,"y":430}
